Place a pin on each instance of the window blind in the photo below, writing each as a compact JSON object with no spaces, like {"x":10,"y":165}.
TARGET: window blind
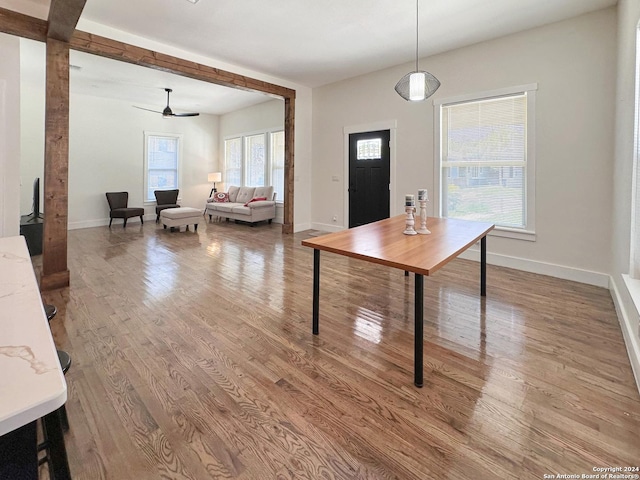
{"x":483,"y":160}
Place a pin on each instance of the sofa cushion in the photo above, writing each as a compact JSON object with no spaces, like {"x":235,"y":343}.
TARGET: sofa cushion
{"x":221,"y":197}
{"x":264,"y":192}
{"x":245,"y":194}
{"x":224,"y":207}
{"x":233,"y":193}
{"x":242,"y":210}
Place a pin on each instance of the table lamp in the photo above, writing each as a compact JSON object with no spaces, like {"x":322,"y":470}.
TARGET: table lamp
{"x":214,"y":177}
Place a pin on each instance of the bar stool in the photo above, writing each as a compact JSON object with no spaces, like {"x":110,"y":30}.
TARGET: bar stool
{"x":65,"y":361}
{"x":50,"y":310}
{"x":55,"y":452}
{"x":55,"y":423}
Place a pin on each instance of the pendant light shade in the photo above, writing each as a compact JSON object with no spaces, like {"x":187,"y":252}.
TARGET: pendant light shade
{"x":419,"y":85}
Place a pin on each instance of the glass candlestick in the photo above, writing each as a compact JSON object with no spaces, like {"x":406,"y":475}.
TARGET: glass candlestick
{"x":409,"y":230}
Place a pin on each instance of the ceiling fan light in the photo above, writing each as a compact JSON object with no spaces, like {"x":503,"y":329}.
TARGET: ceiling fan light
{"x":417,"y":86}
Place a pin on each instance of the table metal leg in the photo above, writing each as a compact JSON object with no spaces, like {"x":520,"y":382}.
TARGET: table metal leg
{"x":419,"y":330}
{"x":316,"y":289}
{"x":483,"y":266}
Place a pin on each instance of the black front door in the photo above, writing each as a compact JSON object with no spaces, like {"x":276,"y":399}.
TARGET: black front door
{"x":369,"y":175}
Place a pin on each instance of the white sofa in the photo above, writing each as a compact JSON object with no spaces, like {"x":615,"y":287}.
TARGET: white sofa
{"x":241,"y":204}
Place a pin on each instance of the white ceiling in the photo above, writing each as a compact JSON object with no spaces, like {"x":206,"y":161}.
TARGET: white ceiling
{"x":312,"y":42}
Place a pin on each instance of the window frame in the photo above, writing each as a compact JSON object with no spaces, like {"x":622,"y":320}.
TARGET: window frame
{"x":529,"y":231}
{"x":268,"y":174}
{"x":270,"y":167}
{"x":147,"y":136}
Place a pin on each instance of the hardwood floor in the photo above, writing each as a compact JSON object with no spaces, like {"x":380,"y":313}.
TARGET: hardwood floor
{"x":193,"y":358}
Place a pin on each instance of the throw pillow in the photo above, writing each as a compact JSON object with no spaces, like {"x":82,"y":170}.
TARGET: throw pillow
{"x":221,"y":197}
{"x":255,"y":199}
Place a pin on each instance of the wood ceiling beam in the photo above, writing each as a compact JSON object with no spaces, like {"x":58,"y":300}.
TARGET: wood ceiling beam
{"x":63,"y":18}
{"x":20,"y":25}
{"x":106,"y":47}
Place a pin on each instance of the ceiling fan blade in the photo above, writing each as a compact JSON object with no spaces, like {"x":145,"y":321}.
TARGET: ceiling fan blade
{"x":167,"y":112}
{"x":147,"y":109}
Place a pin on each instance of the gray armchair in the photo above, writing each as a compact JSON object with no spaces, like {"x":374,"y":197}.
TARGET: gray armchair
{"x":118,"y":205}
{"x":165,"y":199}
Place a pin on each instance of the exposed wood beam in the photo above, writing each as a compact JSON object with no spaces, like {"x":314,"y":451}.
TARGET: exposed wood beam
{"x":106,"y":47}
{"x":289,"y":122}
{"x":15,"y":23}
{"x":56,"y":167}
{"x":63,"y":18}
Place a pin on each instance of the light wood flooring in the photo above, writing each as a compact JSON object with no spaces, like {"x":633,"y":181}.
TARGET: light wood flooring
{"x":193,"y":358}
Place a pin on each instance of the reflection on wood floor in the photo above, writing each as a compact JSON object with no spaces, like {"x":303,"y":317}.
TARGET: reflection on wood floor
{"x":193,"y":358}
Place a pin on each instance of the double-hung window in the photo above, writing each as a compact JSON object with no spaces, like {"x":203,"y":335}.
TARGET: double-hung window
{"x":162,"y":159}
{"x":486,"y":163}
{"x":256,"y":160}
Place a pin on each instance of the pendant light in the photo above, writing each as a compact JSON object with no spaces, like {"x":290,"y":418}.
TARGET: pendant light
{"x":419,"y":85}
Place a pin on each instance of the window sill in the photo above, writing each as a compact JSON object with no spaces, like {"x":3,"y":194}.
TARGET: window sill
{"x":513,"y":233}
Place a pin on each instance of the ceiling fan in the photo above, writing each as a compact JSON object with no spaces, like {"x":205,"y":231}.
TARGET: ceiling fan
{"x":167,"y":112}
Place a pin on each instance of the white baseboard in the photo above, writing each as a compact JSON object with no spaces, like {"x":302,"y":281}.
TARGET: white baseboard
{"x":630,"y":337}
{"x":326,"y":227}
{"x":533,"y":266}
{"x":100,"y":222}
{"x":301,"y":227}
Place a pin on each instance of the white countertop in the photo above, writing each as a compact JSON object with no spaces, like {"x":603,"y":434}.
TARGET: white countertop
{"x":31,"y":381}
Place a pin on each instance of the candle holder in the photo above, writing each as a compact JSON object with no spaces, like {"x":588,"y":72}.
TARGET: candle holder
{"x":423,"y":218}
{"x":409,"y":230}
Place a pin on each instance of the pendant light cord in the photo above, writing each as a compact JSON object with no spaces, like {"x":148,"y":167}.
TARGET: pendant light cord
{"x":417,"y":21}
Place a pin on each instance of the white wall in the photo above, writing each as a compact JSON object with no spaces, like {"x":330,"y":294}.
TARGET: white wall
{"x":573,"y":63}
{"x":106,"y":153}
{"x":9,"y":135}
{"x":264,"y":116}
{"x":628,"y":17}
{"x":32,"y":100}
{"x":31,"y":145}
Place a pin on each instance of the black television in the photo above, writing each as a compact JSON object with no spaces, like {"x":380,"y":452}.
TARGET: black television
{"x":36,"y":197}
{"x":35,"y":213}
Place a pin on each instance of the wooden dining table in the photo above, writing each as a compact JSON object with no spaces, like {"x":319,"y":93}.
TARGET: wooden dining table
{"x":384,"y":243}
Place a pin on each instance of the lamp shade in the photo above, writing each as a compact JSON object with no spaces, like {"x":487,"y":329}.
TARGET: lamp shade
{"x":215,"y":177}
{"x":417,"y":86}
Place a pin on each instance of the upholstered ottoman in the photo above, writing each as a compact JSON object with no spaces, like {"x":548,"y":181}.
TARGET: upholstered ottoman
{"x":177,"y":217}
